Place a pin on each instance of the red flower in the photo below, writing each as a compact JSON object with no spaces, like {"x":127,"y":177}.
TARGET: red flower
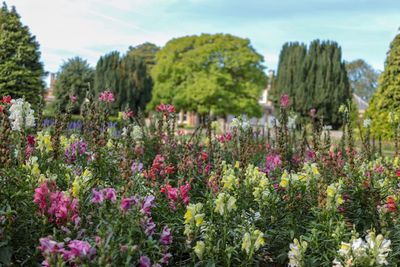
{"x":398,"y":173}
{"x":391,"y":204}
{"x":1,"y":109}
{"x":6,"y":99}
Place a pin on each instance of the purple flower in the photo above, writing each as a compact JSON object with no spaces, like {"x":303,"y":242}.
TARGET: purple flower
{"x":97,"y":197}
{"x":149,"y":226}
{"x":136,"y":167}
{"x":165,"y":258}
{"x":144,"y":261}
{"x":272,"y":161}
{"x":80,"y":248}
{"x":49,"y":246}
{"x":166,"y":236}
{"x":148,"y":203}
{"x":126,"y":203}
{"x":109,"y":193}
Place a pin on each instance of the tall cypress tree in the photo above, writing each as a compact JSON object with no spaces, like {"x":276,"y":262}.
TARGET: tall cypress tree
{"x":387,"y":98}
{"x":313,"y":78}
{"x":127,"y":77}
{"x":74,"y":78}
{"x":21,"y":72}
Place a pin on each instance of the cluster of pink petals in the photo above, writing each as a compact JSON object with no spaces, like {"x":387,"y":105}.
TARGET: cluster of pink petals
{"x":165,"y":108}
{"x":104,"y":194}
{"x":223,"y":138}
{"x":76,"y":250}
{"x":127,"y":114}
{"x":173,"y":194}
{"x":284,"y":101}
{"x":166,"y":236}
{"x":55,"y":204}
{"x":272,"y":162}
{"x":126,"y":203}
{"x":106,"y":96}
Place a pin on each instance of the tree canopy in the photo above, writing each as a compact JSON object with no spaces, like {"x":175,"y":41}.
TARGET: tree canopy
{"x":21,"y":72}
{"x":217,"y":73}
{"x":363,"y":78}
{"x":127,"y":77}
{"x":313,"y":78}
{"x":387,"y":97}
{"x":74,"y":78}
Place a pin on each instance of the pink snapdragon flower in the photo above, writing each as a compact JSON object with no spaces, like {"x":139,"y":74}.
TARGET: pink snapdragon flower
{"x":144,"y":261}
{"x":107,"y":97}
{"x":55,"y":204}
{"x":97,"y":196}
{"x":166,"y":236}
{"x":147,"y":204}
{"x":165,"y":108}
{"x":49,"y":246}
{"x":110,"y":194}
{"x":284,"y":101}
{"x":184,"y":192}
{"x":126,"y":203}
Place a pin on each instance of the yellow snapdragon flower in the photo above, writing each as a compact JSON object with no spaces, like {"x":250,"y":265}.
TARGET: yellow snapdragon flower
{"x":199,"y":249}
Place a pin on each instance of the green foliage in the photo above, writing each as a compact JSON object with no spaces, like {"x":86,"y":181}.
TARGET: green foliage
{"x":313,"y":78}
{"x":363,"y":78}
{"x":146,"y":52}
{"x":127,"y":77}
{"x":387,"y":97}
{"x":74,"y":78}
{"x":21,"y":71}
{"x":217,"y":73}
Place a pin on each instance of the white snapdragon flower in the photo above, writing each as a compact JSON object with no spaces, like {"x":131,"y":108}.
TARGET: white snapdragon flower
{"x":136,"y":133}
{"x":21,"y":115}
{"x":367,"y":123}
{"x":291,"y":124}
{"x":295,"y":255}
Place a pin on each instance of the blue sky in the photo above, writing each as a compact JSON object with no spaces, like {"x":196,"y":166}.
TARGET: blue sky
{"x":91,"y":28}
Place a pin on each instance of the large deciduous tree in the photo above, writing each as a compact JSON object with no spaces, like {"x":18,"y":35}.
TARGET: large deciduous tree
{"x":211,"y":73}
{"x":21,"y":72}
{"x":387,"y":97}
{"x":74,"y":78}
{"x":313,"y":78}
{"x":363,"y":78}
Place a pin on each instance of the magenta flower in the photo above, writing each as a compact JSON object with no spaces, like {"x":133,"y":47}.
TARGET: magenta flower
{"x":272,"y":162}
{"x":166,"y":236}
{"x":184,"y":191}
{"x":49,"y":246}
{"x":107,"y":97}
{"x":149,"y":226}
{"x":81,"y":249}
{"x":126,"y":203}
{"x":40,"y":196}
{"x":284,"y":101}
{"x":147,"y":204}
{"x":110,"y":194}
{"x":144,"y":261}
{"x":97,"y":197}
{"x":165,"y":108}
{"x":165,"y":258}
{"x":73,"y":98}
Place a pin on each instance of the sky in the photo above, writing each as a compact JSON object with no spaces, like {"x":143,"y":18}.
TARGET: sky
{"x":91,"y":28}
